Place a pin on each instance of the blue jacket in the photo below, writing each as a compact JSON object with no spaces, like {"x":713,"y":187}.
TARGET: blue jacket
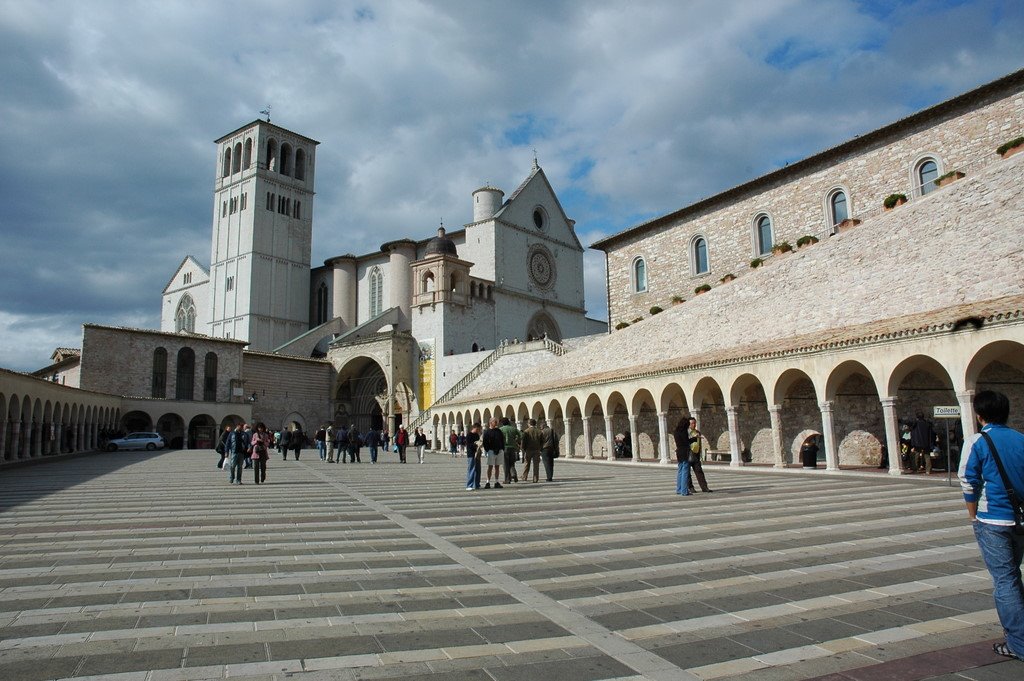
{"x":979,"y":476}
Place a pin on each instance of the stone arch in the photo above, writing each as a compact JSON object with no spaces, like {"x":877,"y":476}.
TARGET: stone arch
{"x":617,"y":409}
{"x":999,"y":366}
{"x":858,"y":425}
{"x":543,"y":325}
{"x":573,"y":442}
{"x":361,"y":395}
{"x":749,"y":398}
{"x":172,"y":429}
{"x":134,"y":421}
{"x":643,"y":414}
{"x":537,"y":411}
{"x":797,"y":397}
{"x":708,"y":407}
{"x":593,"y":414}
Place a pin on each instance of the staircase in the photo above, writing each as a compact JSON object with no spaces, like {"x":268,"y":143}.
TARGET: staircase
{"x":505,"y":349}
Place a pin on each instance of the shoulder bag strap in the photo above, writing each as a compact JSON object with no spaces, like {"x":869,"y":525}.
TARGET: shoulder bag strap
{"x":1010,"y":492}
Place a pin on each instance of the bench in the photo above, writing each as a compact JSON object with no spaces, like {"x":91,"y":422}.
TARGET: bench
{"x":718,"y":455}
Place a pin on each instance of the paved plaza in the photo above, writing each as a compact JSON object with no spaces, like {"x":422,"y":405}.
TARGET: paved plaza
{"x":139,"y":566}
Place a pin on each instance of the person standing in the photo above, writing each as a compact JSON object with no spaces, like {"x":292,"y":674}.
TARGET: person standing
{"x":298,"y":440}
{"x":341,"y":442}
{"x":354,"y":443}
{"x":453,"y":443}
{"x":222,"y":446}
{"x":990,"y":508}
{"x":492,"y":444}
{"x":511,"y":450}
{"x":420,"y":442}
{"x":473,"y":459}
{"x":247,"y":434}
{"x":320,"y":438}
{"x":532,"y":442}
{"x":696,"y":446}
{"x":682,"y":440}
{"x":285,"y":443}
{"x":809,"y":452}
{"x":329,"y":442}
{"x":260,"y":452}
{"x":549,"y":450}
{"x":402,"y":441}
{"x":373,"y":441}
{"x":922,"y":437}
{"x":236,"y":452}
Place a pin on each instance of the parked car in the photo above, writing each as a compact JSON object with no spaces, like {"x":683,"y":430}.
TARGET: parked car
{"x":150,"y":441}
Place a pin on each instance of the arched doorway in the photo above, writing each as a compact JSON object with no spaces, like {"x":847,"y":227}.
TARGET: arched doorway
{"x":361,"y":395}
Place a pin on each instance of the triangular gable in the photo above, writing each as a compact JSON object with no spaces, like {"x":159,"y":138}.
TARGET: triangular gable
{"x":192,"y":264}
{"x":537,"y":186}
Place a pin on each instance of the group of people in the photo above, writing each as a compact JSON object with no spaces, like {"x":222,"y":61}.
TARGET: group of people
{"x":341,"y":444}
{"x":242,"y":446}
{"x":689,"y":449}
{"x":500,"y":446}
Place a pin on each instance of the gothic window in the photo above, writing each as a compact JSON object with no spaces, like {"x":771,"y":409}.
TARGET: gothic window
{"x":186,"y":278}
{"x":226,"y":168}
{"x":927,"y":173}
{"x":159,"y":388}
{"x":247,"y":154}
{"x":321,"y":303}
{"x":763,"y":237}
{"x":376,"y":281}
{"x":300,"y":165}
{"x":224,"y":209}
{"x":297,"y":210}
{"x":270,"y":201}
{"x":243,"y":200}
{"x":286,"y":159}
{"x":427,"y":285}
{"x":210,"y":378}
{"x":271,"y":154}
{"x":185,"y":315}
{"x":838,"y":207}
{"x":453,"y":282}
{"x":699,"y":255}
{"x":184,"y":388}
{"x":229,"y":284}
{"x":639,"y":275}
{"x":236,"y":165}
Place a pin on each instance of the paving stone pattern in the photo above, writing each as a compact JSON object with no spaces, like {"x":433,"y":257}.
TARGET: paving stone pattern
{"x":151,"y":567}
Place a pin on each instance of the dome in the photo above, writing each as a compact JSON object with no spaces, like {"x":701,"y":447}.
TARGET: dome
{"x":440,"y":245}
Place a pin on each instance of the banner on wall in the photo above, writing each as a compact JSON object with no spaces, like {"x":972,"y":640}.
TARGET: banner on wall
{"x":426,"y":391}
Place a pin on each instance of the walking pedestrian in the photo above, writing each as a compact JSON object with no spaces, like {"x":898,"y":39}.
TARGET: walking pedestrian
{"x":682,"y":440}
{"x":511,"y":450}
{"x":373,"y":442}
{"x":259,"y":452}
{"x":473,"y":460}
{"x":492,"y":444}
{"x":696,"y":443}
{"x":532,"y":441}
{"x":992,"y":477}
{"x":549,"y":450}
{"x":298,"y":441}
{"x":236,"y":452}
{"x":285,"y":443}
{"x":402,"y":440}
{"x":420,"y":442}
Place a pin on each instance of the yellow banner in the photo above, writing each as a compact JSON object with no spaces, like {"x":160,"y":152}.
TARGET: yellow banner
{"x":426,"y":395}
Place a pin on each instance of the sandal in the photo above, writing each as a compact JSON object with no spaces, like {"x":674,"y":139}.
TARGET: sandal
{"x":1004,"y":650}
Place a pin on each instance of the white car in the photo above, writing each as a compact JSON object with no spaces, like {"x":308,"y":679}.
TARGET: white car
{"x":150,"y":441}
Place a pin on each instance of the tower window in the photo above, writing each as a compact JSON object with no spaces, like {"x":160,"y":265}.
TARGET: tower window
{"x":223,"y":209}
{"x":229,"y":284}
{"x":300,"y":165}
{"x":243,"y":201}
{"x":185,"y":315}
{"x":376,"y":282}
{"x":236,"y":165}
{"x":186,"y":278}
{"x":226,"y":167}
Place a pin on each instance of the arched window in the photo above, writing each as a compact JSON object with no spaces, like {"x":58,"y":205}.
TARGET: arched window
{"x":321,"y":303}
{"x":763,"y":237}
{"x":699,"y":255}
{"x":286,"y":159}
{"x":185,"y":315}
{"x":639,"y":275}
{"x":184,"y":388}
{"x":159,"y":388}
{"x":236,"y":166}
{"x":453,"y":282}
{"x":427,"y":283}
{"x":271,"y":154}
{"x":210,"y":378}
{"x":300,"y":164}
{"x":472,"y":289}
{"x":927,"y":173}
{"x":838,"y":207}
{"x":376,"y":281}
{"x":247,"y":154}
{"x":226,"y":168}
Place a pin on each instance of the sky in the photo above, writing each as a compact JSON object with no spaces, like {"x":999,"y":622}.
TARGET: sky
{"x":109,"y":109}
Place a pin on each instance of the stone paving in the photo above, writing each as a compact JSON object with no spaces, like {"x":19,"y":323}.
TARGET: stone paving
{"x":151,"y":567}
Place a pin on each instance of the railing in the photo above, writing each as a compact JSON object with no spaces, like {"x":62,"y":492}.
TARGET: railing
{"x":551,"y":346}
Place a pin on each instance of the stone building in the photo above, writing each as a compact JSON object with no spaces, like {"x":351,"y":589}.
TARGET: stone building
{"x":885,"y":314}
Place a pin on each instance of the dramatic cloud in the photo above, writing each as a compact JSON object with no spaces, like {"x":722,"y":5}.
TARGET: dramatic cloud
{"x":634,"y":109}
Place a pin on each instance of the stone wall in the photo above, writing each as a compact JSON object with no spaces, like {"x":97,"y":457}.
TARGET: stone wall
{"x":796,"y":201}
{"x":288,"y":388}
{"x":120,"y":361}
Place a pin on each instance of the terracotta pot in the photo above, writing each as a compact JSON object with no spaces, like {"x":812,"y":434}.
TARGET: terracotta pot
{"x":898,"y":203}
{"x":950,"y":180}
{"x":1013,"y":150}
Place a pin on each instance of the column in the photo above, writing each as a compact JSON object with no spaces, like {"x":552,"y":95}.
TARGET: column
{"x":775,"y":414}
{"x":554,"y":424}
{"x":968,"y":419}
{"x":634,"y":441}
{"x":16,"y":439}
{"x":892,"y":434}
{"x":829,"y":435}
{"x":3,"y":437}
{"x":567,"y":438}
{"x":663,"y":437}
{"x":80,"y":440}
{"x":609,"y":438}
{"x":36,"y":439}
{"x":588,"y":450}
{"x":58,"y":433}
{"x":734,"y":436}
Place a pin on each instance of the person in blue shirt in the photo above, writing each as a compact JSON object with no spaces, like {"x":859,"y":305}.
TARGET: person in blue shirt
{"x":990,"y":509}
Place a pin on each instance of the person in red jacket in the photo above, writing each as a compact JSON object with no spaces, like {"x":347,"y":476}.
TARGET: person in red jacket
{"x":402,"y":440}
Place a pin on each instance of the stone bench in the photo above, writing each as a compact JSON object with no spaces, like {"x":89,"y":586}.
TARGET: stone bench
{"x":718,"y":455}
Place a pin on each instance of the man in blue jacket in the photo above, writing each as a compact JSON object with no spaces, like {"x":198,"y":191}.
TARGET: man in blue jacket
{"x":989,"y":507}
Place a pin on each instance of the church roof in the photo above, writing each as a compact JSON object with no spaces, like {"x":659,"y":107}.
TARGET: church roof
{"x":440,"y":245}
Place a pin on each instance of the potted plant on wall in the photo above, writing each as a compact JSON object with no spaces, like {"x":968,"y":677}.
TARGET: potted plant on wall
{"x":1010,"y":148}
{"x":756,"y":262}
{"x":703,"y":288}
{"x":948,"y":178}
{"x":676,"y":300}
{"x":894,"y":200}
{"x":727,"y":278}
{"x":621,"y":325}
{"x":781,"y":247}
{"x":655,"y":309}
{"x":806,"y":240}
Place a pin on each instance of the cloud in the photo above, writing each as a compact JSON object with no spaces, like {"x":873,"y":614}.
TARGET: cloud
{"x":109,"y":116}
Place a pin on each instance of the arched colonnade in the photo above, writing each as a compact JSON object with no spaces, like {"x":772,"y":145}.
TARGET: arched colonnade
{"x":853,"y":395}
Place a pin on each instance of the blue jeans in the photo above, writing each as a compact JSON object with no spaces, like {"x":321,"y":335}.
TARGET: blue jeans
{"x":1002,"y":551}
{"x":321,"y":449}
{"x":683,"y":478}
{"x":235,"y":460}
{"x":373,"y":453}
{"x":472,"y":473}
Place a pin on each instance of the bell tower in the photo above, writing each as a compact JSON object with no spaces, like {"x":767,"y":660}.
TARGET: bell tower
{"x":262,"y":235}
